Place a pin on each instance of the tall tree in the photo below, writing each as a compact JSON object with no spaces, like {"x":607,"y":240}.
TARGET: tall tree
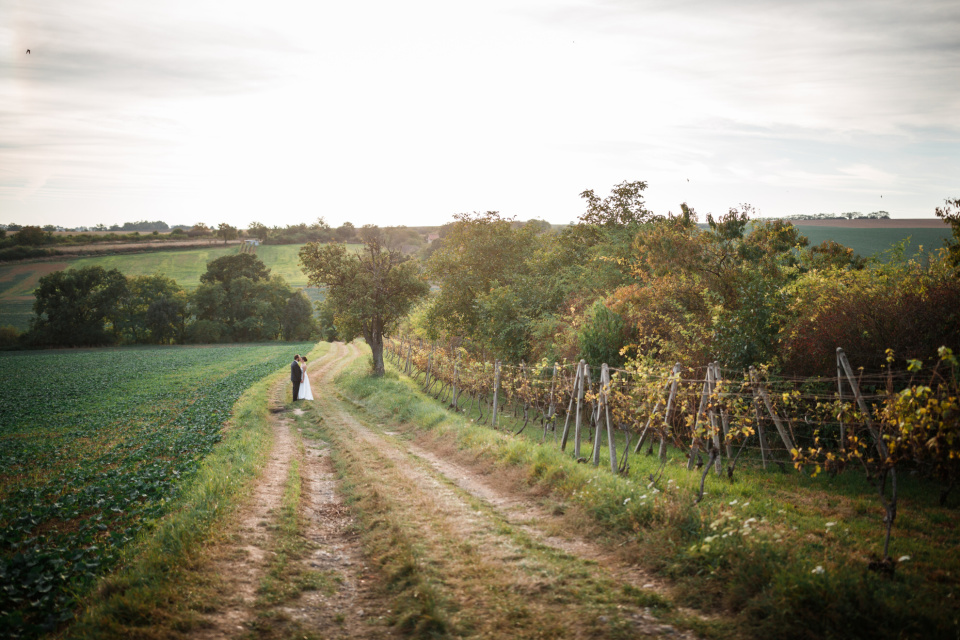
{"x":238,"y":300}
{"x":227,"y":232}
{"x":371,"y":291}
{"x":144,"y":292}
{"x":78,"y":307}
{"x":258,"y":230}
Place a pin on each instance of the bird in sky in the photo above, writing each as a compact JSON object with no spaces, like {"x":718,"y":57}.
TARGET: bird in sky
{"x":28,"y":51}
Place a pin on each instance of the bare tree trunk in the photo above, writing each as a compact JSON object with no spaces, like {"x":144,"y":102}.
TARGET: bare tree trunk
{"x":374,"y":338}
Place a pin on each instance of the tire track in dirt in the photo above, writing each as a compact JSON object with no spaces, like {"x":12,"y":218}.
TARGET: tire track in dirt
{"x":353,"y":608}
{"x":240,"y":562}
{"x":437,"y":500}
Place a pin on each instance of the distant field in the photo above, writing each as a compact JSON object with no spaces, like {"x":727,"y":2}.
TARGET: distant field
{"x":18,"y":281}
{"x":868,"y":242}
{"x":186,"y":267}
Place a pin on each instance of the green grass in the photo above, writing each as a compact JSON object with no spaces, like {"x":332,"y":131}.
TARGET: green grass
{"x":186,"y":267}
{"x":764,"y":577}
{"x":95,"y":450}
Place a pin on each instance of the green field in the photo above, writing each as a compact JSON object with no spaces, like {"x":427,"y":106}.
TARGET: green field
{"x":94,"y":447}
{"x":18,"y":281}
{"x":868,"y":242}
{"x":186,"y":267}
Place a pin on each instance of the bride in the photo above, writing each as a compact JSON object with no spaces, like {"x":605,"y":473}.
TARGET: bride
{"x":305,"y":392}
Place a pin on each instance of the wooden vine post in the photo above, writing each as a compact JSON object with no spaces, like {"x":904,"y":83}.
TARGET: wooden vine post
{"x":456,"y":378}
{"x":656,"y":408}
{"x":605,"y":384}
{"x":496,"y":389}
{"x":662,"y":454}
{"x":843,"y":434}
{"x":724,"y":418}
{"x":762,"y":393}
{"x":573,"y":394}
{"x":889,"y":505}
{"x":581,"y":407}
{"x":695,"y":445}
{"x":552,"y":410}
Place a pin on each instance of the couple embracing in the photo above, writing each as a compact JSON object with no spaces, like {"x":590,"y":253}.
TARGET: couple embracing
{"x":298,"y":376}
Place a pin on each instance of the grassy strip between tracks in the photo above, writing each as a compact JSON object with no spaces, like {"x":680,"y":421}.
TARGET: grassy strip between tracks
{"x":287,"y":576}
{"x":417,"y":609}
{"x":764,"y":561}
{"x":162,"y":583}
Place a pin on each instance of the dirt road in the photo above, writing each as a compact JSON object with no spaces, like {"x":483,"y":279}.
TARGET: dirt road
{"x":428,"y":546}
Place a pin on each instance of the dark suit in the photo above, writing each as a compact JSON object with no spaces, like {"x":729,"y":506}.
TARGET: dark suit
{"x":296,"y":376}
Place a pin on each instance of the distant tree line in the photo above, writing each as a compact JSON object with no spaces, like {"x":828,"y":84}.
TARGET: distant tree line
{"x":850,"y":215}
{"x":238,"y":300}
{"x":22,"y":242}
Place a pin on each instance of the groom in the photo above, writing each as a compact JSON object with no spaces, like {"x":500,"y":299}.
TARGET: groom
{"x":296,"y":375}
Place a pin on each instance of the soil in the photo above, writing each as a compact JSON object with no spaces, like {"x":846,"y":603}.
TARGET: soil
{"x":473,"y":528}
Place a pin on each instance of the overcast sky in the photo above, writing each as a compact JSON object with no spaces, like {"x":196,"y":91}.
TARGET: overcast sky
{"x":391,"y":112}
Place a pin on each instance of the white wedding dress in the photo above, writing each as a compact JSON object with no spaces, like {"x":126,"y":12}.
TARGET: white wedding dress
{"x":305,"y":392}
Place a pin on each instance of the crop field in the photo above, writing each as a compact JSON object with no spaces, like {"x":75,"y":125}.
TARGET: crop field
{"x":95,"y":446}
{"x":868,"y":242}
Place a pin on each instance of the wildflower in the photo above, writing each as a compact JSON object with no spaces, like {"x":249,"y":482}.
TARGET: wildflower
{"x":745,"y":504}
{"x":643,"y":497}
{"x":626,"y":501}
{"x":748,"y":521}
{"x":904,"y":559}
{"x":818,"y":570}
{"x":733,"y":503}
{"x":831,"y":524}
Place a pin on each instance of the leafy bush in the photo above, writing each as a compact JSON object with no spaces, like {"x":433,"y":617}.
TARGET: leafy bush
{"x":9,"y":337}
{"x":603,"y":336}
{"x":904,"y":305}
{"x":205,"y":332}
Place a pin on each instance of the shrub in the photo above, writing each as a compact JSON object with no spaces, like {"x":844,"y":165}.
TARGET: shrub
{"x":205,"y":332}
{"x":904,"y":306}
{"x":9,"y":337}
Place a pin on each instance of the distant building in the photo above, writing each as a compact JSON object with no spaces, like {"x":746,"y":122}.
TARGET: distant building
{"x":433,"y":236}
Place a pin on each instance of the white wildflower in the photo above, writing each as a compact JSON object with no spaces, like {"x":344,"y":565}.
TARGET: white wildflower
{"x":733,"y":503}
{"x":904,"y":559}
{"x":831,"y":524}
{"x":818,"y":570}
{"x":626,"y":501}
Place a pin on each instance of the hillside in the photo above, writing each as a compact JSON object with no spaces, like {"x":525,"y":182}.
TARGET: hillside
{"x":17,"y":281}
